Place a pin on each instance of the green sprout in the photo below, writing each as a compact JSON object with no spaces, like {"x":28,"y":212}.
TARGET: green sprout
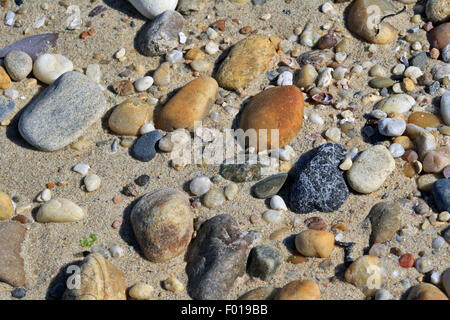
{"x":88,"y":241}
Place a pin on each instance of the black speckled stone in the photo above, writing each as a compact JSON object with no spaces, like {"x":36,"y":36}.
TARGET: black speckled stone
{"x":263,"y":262}
{"x":441,"y":194}
{"x":317,"y":182}
{"x":144,"y":147}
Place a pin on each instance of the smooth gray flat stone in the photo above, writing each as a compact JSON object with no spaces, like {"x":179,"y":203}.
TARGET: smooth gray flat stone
{"x":62,"y":112}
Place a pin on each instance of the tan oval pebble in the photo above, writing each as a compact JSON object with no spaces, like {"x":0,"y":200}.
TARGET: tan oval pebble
{"x":6,"y":206}
{"x":173,"y":284}
{"x":141,"y":291}
{"x":60,"y":210}
{"x":99,"y":280}
{"x":424,"y":141}
{"x":306,"y":76}
{"x":300,"y":290}
{"x":129,"y":116}
{"x":435,"y":161}
{"x":162,"y":75}
{"x":367,"y":274}
{"x":5,"y":81}
{"x":163,"y":224}
{"x":425,"y":182}
{"x":262,"y":293}
{"x":249,"y":58}
{"x":194,"y":54}
{"x":315,"y":243}
{"x":424,"y":120}
{"x":426,"y":291}
{"x":190,"y":104}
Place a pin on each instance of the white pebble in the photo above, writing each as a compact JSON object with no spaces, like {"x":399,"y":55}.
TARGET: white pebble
{"x":285,"y":79}
{"x":116,"y":251}
{"x":211,"y":48}
{"x":212,"y":34}
{"x":327,"y":7}
{"x":39,"y":22}
{"x":340,"y":57}
{"x":143,"y":84}
{"x":182,"y":37}
{"x":48,"y":67}
{"x":396,"y":150}
{"x":146,"y":128}
{"x":435,"y":277}
{"x":174,"y":56}
{"x":272,"y":216}
{"x":44,"y":196}
{"x":94,"y":73}
{"x":81,"y":168}
{"x":315,"y":118}
{"x":277,"y":203}
{"x":200,"y":185}
{"x":10,"y":18}
{"x":120,"y":54}
{"x":413,"y":72}
{"x":92,"y":182}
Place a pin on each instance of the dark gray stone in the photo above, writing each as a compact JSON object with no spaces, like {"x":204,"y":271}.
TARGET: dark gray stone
{"x":19,"y":293}
{"x":318,"y":183}
{"x":441,"y":194}
{"x":62,"y":112}
{"x":420,"y":60}
{"x":217,"y":257}
{"x":263,"y":262}
{"x":159,"y":36}
{"x":269,"y":186}
{"x":144,"y":147}
{"x":6,"y":106}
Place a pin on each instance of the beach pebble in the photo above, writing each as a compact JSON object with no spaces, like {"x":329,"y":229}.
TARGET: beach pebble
{"x":263,"y":262}
{"x":315,"y":243}
{"x":18,"y":64}
{"x":446,"y":280}
{"x":152,"y":8}
{"x":423,"y":265}
{"x":172,"y":284}
{"x":146,"y":128}
{"x":162,"y":75}
{"x":200,"y":185}
{"x":391,"y":127}
{"x":261,"y":293}
{"x":424,"y":141}
{"x":277,"y":203}
{"x":5,"y":80}
{"x":445,"y":107}
{"x":60,"y":210}
{"x":397,"y":103}
{"x":141,"y":291}
{"x":231,"y":191}
{"x":370,"y":169}
{"x":160,"y":35}
{"x":92,"y":182}
{"x":299,"y":290}
{"x":437,"y":10}
{"x":440,"y":72}
{"x":162,"y":221}
{"x":144,"y":147}
{"x":143,"y":84}
{"x":19,"y":293}
{"x":81,"y":168}
{"x":191,"y":6}
{"x":116,"y":251}
{"x":269,"y":186}
{"x":318,"y":183}
{"x":192,"y":103}
{"x":396,"y":150}
{"x":128,"y":117}
{"x":426,"y":291}
{"x":248,"y":58}
{"x":435,"y":161}
{"x":12,"y":235}
{"x":48,"y":67}
{"x":424,"y":120}
{"x":438,"y":243}
{"x":367,"y":274}
{"x":61,"y":113}
{"x":44,"y":196}
{"x":285,"y":79}
{"x":217,"y":257}
{"x":6,"y":206}
{"x":382,"y":294}
{"x":385,"y":220}
{"x":214,"y":198}
{"x":441,"y":194}
{"x":273,"y":216}
{"x":6,"y":106}
{"x":306,"y":76}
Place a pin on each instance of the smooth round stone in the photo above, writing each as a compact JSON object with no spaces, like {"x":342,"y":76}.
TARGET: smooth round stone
{"x":445,"y":107}
{"x":438,"y":243}
{"x":306,"y":76}
{"x":279,"y":108}
{"x":269,"y":186}
{"x":248,"y":58}
{"x":19,"y":293}
{"x":5,"y":80}
{"x":201,"y":65}
{"x":92,"y":182}
{"x":397,"y":103}
{"x":277,"y":203}
{"x":141,"y":291}
{"x":382,"y":294}
{"x":214,"y":198}
{"x":152,"y":8}
{"x":315,"y":243}
{"x":172,"y":284}
{"x":48,"y":67}
{"x":435,"y":161}
{"x":439,"y":36}
{"x":441,"y":194}
{"x":426,"y":291}
{"x":18,"y":64}
{"x":116,"y":251}
{"x":261,"y":293}
{"x":273,"y":216}
{"x":377,"y":71}
{"x":378,"y":250}
{"x":128,"y":117}
{"x":370,"y":169}
{"x":396,"y":150}
{"x":146,"y":128}
{"x":143,"y":84}
{"x":144,"y":147}
{"x":425,"y":182}
{"x":192,"y":103}
{"x":424,"y":141}
{"x":423,"y":265}
{"x":380,"y":83}
{"x":81,"y":168}
{"x":367,"y":274}
{"x":6,"y":206}
{"x":60,"y":210}
{"x":163,"y":224}
{"x":299,"y":290}
{"x":391,"y":127}
{"x":231,"y":191}
{"x":200,"y":185}
{"x":424,"y":120}
{"x":405,"y":142}
{"x":61,"y":113}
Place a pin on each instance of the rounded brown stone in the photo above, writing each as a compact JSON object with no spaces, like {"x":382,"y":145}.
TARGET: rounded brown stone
{"x":6,"y":206}
{"x":300,"y":290}
{"x":195,"y":54}
{"x":129,"y":116}
{"x":190,"y":104}
{"x":405,"y":142}
{"x":249,"y":58}
{"x":406,"y":260}
{"x":5,"y":81}
{"x":424,"y":120}
{"x":278,"y":108}
{"x":439,"y":37}
{"x":315,"y":243}
{"x":426,"y":291}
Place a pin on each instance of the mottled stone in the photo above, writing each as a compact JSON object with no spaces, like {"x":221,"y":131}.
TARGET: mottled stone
{"x":12,"y":235}
{"x":367,"y":274}
{"x":263,"y":262}
{"x":243,"y":172}
{"x":426,"y":291}
{"x":269,"y":186}
{"x":299,"y":290}
{"x":385,"y":218}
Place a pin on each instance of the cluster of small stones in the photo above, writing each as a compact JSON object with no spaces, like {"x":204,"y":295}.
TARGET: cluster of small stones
{"x":406,"y":132}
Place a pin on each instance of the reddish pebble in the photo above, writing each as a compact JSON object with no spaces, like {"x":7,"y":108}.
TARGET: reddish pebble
{"x":410,"y":156}
{"x":50,"y":185}
{"x":22,"y":219}
{"x":406,"y":260}
{"x":117,"y":199}
{"x":315,"y":223}
{"x":245,"y":30}
{"x":116,"y":224}
{"x":220,"y":24}
{"x":84,"y":35}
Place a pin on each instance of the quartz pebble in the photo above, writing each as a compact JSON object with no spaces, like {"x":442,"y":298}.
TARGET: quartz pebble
{"x":92,"y":182}
{"x":391,"y":127}
{"x":116,"y":251}
{"x":81,"y":168}
{"x":48,"y":67}
{"x":426,"y":291}
{"x":60,"y":210}
{"x":367,"y":274}
{"x":6,"y":206}
{"x":277,"y":203}
{"x":397,"y":103}
{"x":273,"y":216}
{"x":200,"y":185}
{"x":396,"y":150}
{"x":44,"y":196}
{"x":315,"y":243}
{"x":143,"y":84}
{"x":152,"y":8}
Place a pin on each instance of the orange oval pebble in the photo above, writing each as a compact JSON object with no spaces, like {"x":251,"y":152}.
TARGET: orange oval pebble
{"x":424,"y":120}
{"x":406,"y":260}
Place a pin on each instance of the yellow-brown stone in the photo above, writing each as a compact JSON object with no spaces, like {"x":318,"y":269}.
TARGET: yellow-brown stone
{"x":424,"y":120}
{"x":405,"y":142}
{"x":300,"y":290}
{"x":6,"y":206}
{"x":5,"y":81}
{"x":129,"y":116}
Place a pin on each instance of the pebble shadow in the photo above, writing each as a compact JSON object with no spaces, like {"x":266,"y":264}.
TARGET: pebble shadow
{"x":57,"y":285}
{"x":124,"y":7}
{"x":13,"y":134}
{"x":126,"y":231}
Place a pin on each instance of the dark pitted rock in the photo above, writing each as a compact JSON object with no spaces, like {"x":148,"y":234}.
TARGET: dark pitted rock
{"x":144,"y":147}
{"x":217,"y":257}
{"x":6,"y":106}
{"x":241,"y":172}
{"x":441,"y":194}
{"x":263,"y":262}
{"x":385,"y":220}
{"x":62,"y":112}
{"x":12,"y":235}
{"x":269,"y":186}
{"x":318,"y":184}
{"x":159,"y":36}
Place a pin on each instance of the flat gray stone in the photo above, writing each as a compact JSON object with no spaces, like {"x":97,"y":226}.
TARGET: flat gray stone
{"x":62,"y":112}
